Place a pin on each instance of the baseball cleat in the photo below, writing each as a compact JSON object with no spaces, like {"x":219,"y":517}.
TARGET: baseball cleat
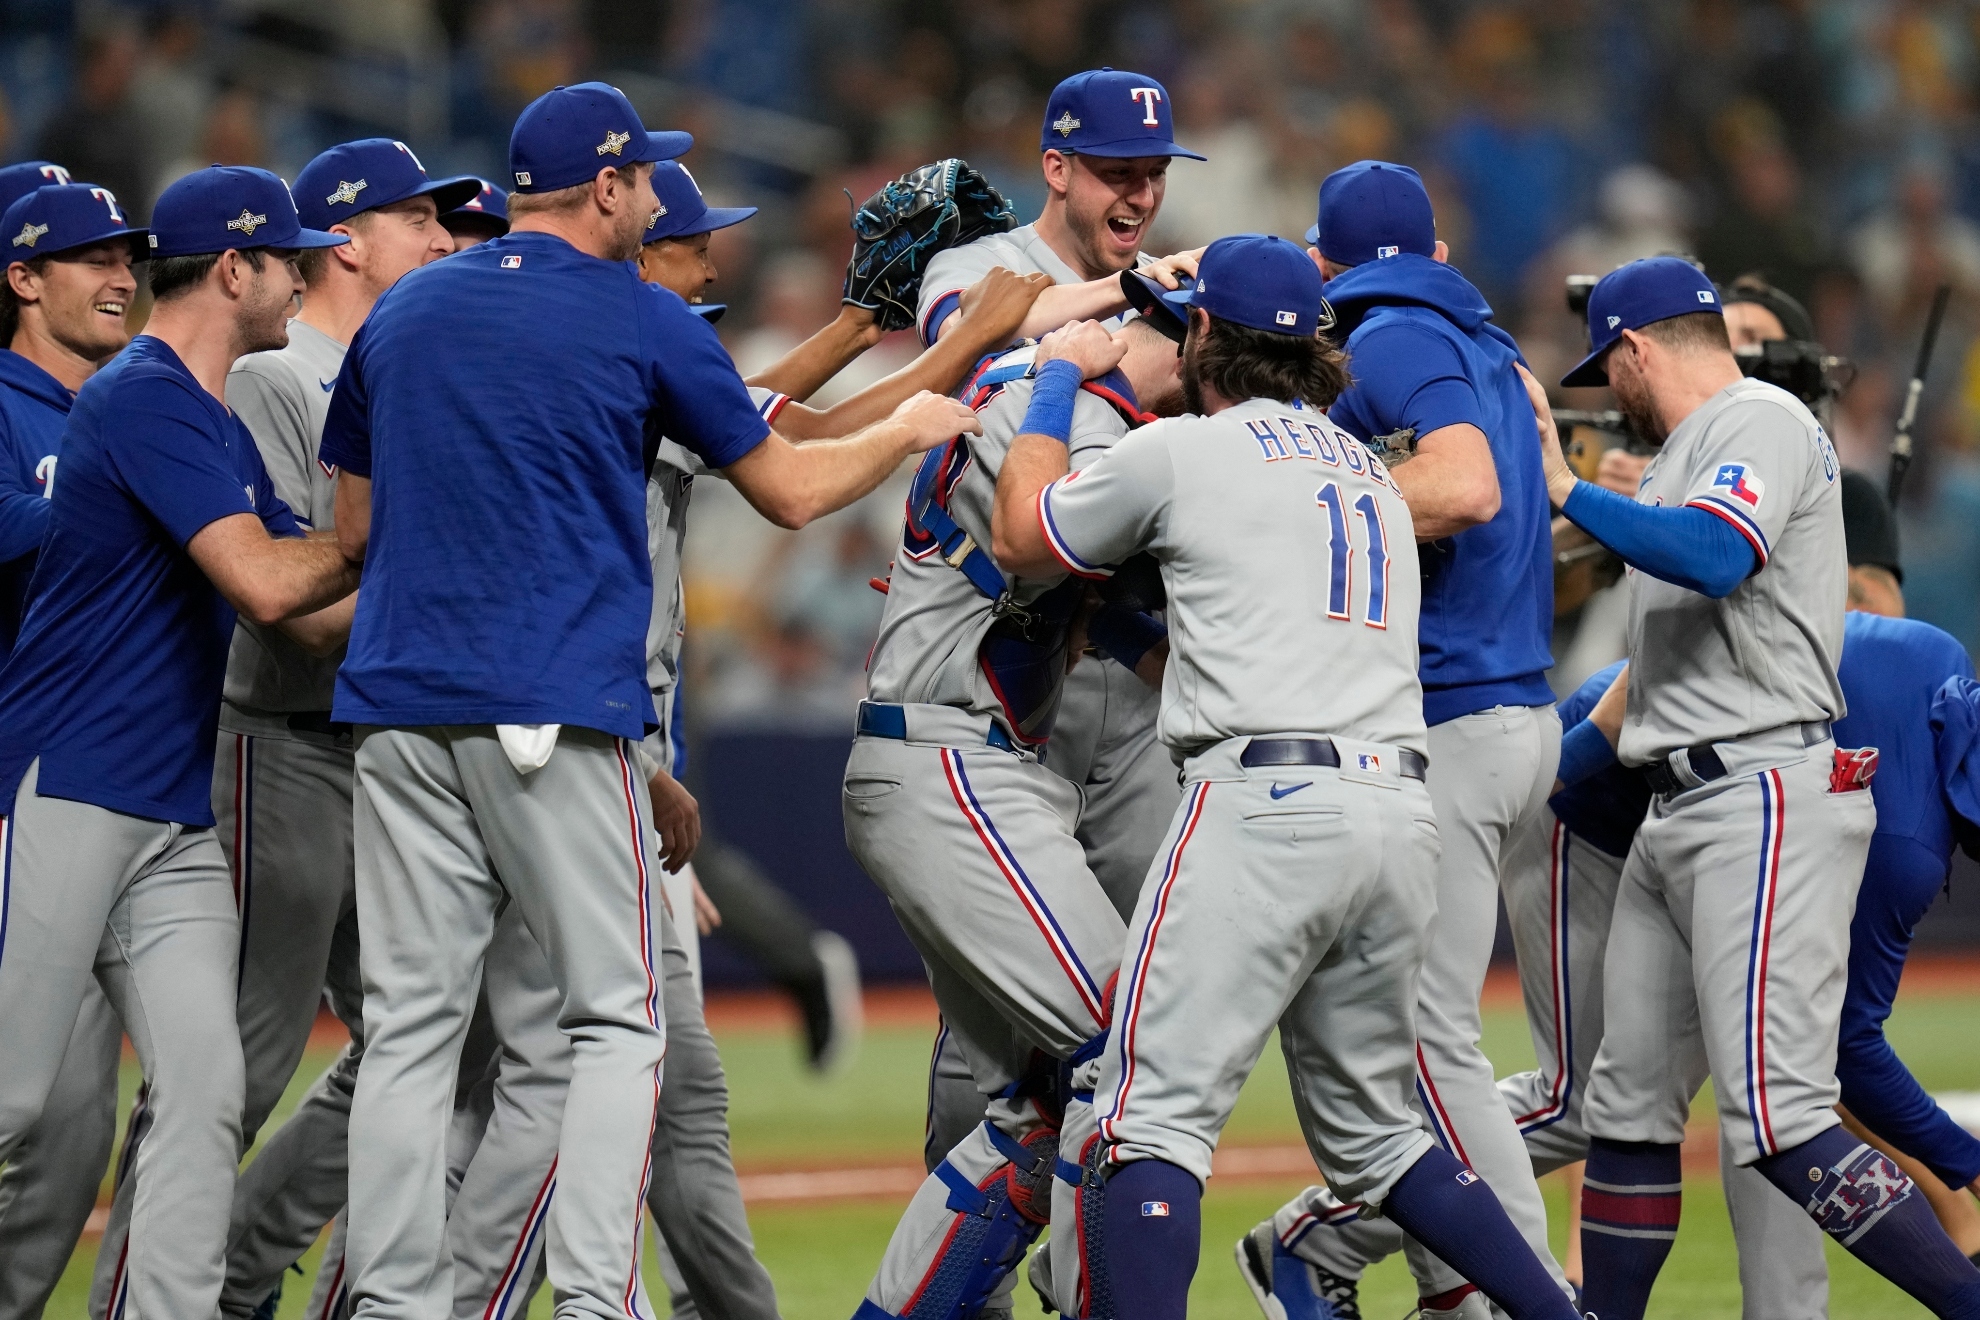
{"x":1288,"y":1288}
{"x":832,"y":1036}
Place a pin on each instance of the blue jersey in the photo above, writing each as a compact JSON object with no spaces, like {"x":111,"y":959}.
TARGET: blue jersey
{"x":506,"y":403}
{"x":115,"y":681}
{"x":1425,"y":355}
{"x":34,"y":407}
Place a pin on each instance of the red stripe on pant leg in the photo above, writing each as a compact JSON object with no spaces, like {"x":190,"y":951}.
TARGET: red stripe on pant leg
{"x":336,"y":1284}
{"x":629,"y":780}
{"x":1442,"y":1116}
{"x":497,"y":1301}
{"x":1766,"y":955}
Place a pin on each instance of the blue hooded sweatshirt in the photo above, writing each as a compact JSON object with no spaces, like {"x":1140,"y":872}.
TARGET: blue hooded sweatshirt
{"x":1425,"y":354}
{"x":34,"y":407}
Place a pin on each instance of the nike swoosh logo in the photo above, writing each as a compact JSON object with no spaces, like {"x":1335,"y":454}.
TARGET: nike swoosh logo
{"x":328,"y":385}
{"x":1278,"y":792}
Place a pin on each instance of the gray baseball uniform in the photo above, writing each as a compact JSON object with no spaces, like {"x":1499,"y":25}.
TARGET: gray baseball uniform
{"x":282,"y":800}
{"x":1560,"y":894}
{"x":1019,"y":939}
{"x":1731,"y":932}
{"x":1301,"y":625}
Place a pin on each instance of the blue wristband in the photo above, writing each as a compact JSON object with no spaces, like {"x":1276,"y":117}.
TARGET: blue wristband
{"x":1585,"y":751}
{"x":1052,"y":398}
{"x":1124,"y":635}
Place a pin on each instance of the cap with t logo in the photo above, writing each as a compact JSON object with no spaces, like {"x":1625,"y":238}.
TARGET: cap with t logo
{"x":64,"y":216}
{"x":354,"y":177}
{"x":683,"y":212}
{"x":568,"y":134}
{"x":17,"y":181}
{"x":1105,"y":112}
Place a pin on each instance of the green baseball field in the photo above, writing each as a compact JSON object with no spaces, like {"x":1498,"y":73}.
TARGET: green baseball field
{"x":826,"y":1163}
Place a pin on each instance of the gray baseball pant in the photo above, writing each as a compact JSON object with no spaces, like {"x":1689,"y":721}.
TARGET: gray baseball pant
{"x":506,"y":1139}
{"x":48,"y":1189}
{"x":447,"y":830}
{"x":282,"y":808}
{"x":975,"y":849}
{"x":148,"y":908}
{"x":1306,"y":908}
{"x":1104,"y":741}
{"x":1560,"y":894}
{"x":1730,"y":950}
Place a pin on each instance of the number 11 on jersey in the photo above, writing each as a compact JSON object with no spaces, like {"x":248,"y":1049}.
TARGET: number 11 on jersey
{"x":1341,"y":552}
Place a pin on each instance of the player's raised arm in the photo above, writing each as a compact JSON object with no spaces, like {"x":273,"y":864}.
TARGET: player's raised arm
{"x":992,"y":311}
{"x":793,"y":484}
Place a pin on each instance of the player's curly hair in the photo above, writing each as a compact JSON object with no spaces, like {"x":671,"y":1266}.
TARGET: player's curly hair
{"x":10,"y":306}
{"x":1241,"y":363}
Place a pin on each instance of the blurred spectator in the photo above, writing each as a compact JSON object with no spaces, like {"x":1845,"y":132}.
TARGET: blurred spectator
{"x":1765,"y":225}
{"x":1232,"y":192}
{"x":95,"y":132}
{"x":172,"y":88}
{"x":1904,"y":251}
{"x":1513,"y":169}
{"x":232,"y":135}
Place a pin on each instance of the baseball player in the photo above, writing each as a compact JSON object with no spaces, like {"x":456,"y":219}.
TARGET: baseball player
{"x":1105,"y":147}
{"x":1295,"y":886}
{"x":480,"y":218}
{"x":61,"y":316}
{"x":494,"y":1230}
{"x":951,"y":810}
{"x":163,"y":524}
{"x":1436,"y":386}
{"x":1729,"y":943}
{"x":497,"y":663}
{"x":282,"y":769}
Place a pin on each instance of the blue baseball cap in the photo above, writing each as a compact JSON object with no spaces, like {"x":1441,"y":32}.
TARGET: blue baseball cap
{"x":1373,"y":209}
{"x":17,"y":181}
{"x":565,"y":136}
{"x":64,"y":216}
{"x":683,"y":213}
{"x":229,"y":206}
{"x":488,"y":208}
{"x":1105,"y":112}
{"x":364,"y":175}
{"x":1261,"y":281}
{"x":1633,"y":296}
{"x":709,"y":312}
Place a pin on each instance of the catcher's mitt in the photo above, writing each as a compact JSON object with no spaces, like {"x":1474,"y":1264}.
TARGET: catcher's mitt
{"x":906,"y":223}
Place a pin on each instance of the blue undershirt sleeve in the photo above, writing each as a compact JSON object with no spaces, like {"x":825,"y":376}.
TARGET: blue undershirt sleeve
{"x":1684,"y":546}
{"x":1585,"y":752}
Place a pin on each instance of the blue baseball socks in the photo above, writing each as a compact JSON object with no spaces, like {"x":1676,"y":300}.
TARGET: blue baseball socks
{"x":1860,"y":1197}
{"x":1154,"y":1235}
{"x":1450,"y":1210}
{"x":1630,"y":1198}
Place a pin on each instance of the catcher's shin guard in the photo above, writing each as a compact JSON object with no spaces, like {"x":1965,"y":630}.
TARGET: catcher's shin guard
{"x":991,"y":1222}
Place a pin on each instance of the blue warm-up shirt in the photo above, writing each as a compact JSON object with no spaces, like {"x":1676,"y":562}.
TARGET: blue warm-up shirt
{"x":34,"y":407}
{"x":1425,"y":354}
{"x":506,"y":403}
{"x":115,"y":681}
{"x":1911,"y":695}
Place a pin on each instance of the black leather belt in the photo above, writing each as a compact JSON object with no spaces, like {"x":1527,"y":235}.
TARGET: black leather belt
{"x":319,"y":723}
{"x":1319,"y":751}
{"x":1706,"y":766}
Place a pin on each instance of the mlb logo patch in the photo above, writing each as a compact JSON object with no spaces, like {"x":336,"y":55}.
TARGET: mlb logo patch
{"x":1382,"y":252}
{"x":1465,"y":1177}
{"x":511,"y":263}
{"x":1705,"y":296}
{"x":1286,"y":318}
{"x":1154,"y":1209}
{"x":1368,"y":761}
{"x":522,"y":178}
{"x":1741,"y":482}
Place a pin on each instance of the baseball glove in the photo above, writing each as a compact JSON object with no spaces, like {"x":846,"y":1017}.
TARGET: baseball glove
{"x":901,"y":227}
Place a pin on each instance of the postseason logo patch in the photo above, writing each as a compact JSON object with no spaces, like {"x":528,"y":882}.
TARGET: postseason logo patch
{"x":1740,"y":481}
